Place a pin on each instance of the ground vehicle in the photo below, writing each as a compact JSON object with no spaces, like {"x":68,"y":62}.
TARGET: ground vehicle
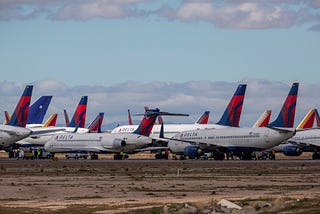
{"x":76,"y":155}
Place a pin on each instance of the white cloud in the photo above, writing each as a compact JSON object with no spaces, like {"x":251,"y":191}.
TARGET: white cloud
{"x":192,"y":97}
{"x":233,"y":14}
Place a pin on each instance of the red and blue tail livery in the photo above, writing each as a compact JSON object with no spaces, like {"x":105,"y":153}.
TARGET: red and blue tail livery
{"x":147,"y":122}
{"x":80,"y":113}
{"x":95,"y":126}
{"x":286,"y":116}
{"x":231,"y":116}
{"x":204,"y":118}
{"x":20,"y":114}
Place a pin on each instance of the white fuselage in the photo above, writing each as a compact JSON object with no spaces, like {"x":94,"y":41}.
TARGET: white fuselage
{"x":170,"y":130}
{"x":307,"y":137}
{"x":96,"y":142}
{"x":11,"y":134}
{"x":41,"y":139}
{"x":251,"y":139}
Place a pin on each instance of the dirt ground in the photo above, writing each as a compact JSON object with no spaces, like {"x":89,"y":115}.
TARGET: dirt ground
{"x":144,"y":185}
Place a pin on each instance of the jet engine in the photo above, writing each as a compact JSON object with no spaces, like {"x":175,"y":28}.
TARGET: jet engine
{"x":117,"y":143}
{"x":192,"y":151}
{"x":292,"y":150}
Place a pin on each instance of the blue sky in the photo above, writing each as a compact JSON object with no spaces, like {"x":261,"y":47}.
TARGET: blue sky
{"x":107,"y":43}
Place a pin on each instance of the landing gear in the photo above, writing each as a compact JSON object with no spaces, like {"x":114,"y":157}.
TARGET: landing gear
{"x":119,"y":156}
{"x":94,"y":157}
{"x":218,"y":155}
{"x":316,"y":156}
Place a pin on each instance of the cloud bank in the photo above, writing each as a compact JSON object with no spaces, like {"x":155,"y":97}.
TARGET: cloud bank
{"x":231,"y":14}
{"x":192,"y":97}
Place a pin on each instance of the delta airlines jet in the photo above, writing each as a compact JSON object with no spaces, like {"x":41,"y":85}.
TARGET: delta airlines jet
{"x":40,"y":136}
{"x":15,"y":129}
{"x":239,"y":141}
{"x":107,"y":142}
{"x":231,"y":117}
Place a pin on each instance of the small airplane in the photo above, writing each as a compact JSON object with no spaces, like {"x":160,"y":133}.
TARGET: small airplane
{"x":15,"y":129}
{"x":240,"y":142}
{"x":231,"y":117}
{"x":117,"y":143}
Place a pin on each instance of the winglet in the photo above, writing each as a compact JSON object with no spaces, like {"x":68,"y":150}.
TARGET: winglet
{"x":263,"y":119}
{"x":308,"y":121}
{"x":66,"y":118}
{"x":204,"y":118}
{"x":286,"y":116}
{"x":161,"y":134}
{"x":80,"y":113}
{"x":129,"y":118}
{"x":231,"y":116}
{"x":7,"y":116}
{"x":20,"y":114}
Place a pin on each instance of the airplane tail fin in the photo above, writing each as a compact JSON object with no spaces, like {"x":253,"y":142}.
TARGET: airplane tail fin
{"x":147,"y":122}
{"x":263,"y":119}
{"x":231,"y":116}
{"x":204,"y":118}
{"x":20,"y":114}
{"x":51,"y":121}
{"x":317,"y":118}
{"x":95,"y":125}
{"x":149,"y":119}
{"x":7,"y":116}
{"x":66,"y":118}
{"x":308,"y":121}
{"x":129,"y":118}
{"x":80,"y":113}
{"x":38,"y":110}
{"x":286,"y":116}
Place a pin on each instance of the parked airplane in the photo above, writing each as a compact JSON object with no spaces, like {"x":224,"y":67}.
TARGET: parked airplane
{"x":107,"y":142}
{"x":41,"y":135}
{"x":305,"y":140}
{"x":240,"y":142}
{"x":231,"y":117}
{"x":15,"y":129}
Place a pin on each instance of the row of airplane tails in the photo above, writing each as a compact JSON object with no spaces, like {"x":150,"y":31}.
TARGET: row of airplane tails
{"x":187,"y":140}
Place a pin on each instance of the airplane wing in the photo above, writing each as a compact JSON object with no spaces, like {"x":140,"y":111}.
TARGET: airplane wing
{"x":45,"y":130}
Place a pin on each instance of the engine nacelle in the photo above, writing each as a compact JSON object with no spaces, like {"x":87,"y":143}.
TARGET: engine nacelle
{"x":192,"y":151}
{"x":118,"y":143}
{"x":292,"y":150}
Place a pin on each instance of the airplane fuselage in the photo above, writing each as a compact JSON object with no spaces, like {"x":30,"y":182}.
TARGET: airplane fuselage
{"x":170,"y":130}
{"x":231,"y":139}
{"x":11,"y":134}
{"x":97,"y":143}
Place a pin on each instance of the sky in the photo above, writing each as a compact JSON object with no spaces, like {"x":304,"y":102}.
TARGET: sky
{"x":180,"y":55}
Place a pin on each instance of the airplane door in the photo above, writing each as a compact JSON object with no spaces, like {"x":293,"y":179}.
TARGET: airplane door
{"x":267,"y":136}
